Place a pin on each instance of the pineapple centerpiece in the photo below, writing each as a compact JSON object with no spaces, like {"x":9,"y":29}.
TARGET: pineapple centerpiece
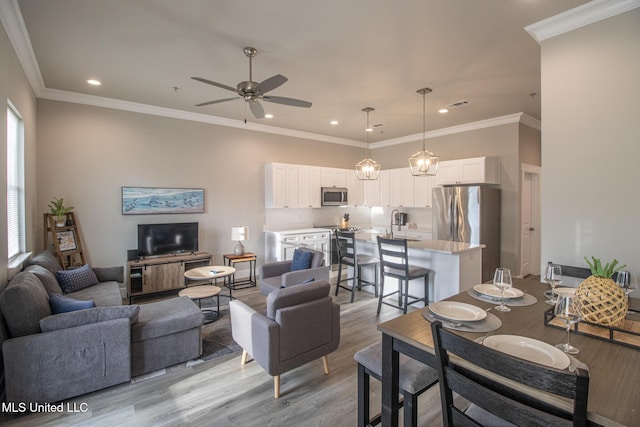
{"x":603,"y":302}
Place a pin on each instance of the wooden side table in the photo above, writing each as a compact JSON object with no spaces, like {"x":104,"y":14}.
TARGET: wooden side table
{"x":232,"y":259}
{"x":212,"y":273}
{"x":198,"y":293}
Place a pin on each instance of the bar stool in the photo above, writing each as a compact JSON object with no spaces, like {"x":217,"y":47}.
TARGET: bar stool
{"x":415,"y":379}
{"x":347,"y":255}
{"x":394,"y":259}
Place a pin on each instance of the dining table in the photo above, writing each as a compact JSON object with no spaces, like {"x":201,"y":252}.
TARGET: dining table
{"x":614,"y":369}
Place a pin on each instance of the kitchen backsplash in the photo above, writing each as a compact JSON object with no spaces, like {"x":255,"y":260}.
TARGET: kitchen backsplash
{"x":364,"y":217}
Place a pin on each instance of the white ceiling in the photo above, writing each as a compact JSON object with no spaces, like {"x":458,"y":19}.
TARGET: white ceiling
{"x":340,"y":55}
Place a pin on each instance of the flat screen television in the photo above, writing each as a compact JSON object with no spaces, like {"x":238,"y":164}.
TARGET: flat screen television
{"x":163,"y":239}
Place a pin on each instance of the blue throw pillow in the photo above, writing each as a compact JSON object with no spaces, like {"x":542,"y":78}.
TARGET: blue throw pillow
{"x":301,"y":260}
{"x":61,"y":304}
{"x":76,"y":279}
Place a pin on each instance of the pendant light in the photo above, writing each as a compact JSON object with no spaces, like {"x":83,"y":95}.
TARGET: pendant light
{"x":424,"y":163}
{"x":368,"y":169}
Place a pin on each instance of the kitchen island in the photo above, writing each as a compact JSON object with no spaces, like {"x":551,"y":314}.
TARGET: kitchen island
{"x":456,"y":266}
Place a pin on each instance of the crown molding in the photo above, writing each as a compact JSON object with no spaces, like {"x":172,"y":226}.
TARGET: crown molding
{"x":578,"y":17}
{"x":523,"y":118}
{"x":12,"y":21}
{"x":118,"y":104}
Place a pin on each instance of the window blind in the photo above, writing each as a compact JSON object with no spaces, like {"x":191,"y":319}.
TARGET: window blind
{"x":15,"y":184}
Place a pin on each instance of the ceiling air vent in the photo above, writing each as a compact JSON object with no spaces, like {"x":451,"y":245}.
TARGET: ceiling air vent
{"x":458,"y":104}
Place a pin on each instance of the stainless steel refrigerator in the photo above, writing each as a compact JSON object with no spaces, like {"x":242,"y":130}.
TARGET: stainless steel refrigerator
{"x":470,"y":214}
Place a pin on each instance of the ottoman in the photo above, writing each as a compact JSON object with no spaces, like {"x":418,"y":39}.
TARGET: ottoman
{"x":166,"y":333}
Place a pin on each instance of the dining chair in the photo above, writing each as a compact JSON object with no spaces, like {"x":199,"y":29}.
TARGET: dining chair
{"x":394,"y":263}
{"x":502,"y":388}
{"x":348,"y":256}
{"x":414,"y":379}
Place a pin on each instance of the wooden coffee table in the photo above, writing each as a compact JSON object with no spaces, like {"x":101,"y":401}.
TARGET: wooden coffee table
{"x":212,"y":273}
{"x":198,"y":293}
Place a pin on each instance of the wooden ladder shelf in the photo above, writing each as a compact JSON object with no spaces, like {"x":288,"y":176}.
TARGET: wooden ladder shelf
{"x":64,"y":241}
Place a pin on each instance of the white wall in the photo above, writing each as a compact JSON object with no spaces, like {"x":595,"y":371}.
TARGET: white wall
{"x":86,"y":154}
{"x":590,"y":143}
{"x":14,"y":87}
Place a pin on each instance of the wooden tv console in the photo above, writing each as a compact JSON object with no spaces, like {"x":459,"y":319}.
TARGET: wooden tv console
{"x":162,"y":273}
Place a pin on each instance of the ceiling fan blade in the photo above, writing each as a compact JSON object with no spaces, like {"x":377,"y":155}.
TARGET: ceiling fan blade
{"x":287,"y":101}
{"x":256,"y":109}
{"x":271,"y":83}
{"x":217,"y":101}
{"x":211,"y":82}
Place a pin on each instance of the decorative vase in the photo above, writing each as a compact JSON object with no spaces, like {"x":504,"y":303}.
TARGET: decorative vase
{"x":603,"y":302}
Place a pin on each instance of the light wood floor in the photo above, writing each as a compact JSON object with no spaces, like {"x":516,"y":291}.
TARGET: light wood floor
{"x":222,"y":393}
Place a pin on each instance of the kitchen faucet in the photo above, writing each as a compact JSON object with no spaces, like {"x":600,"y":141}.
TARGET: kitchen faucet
{"x":393,"y":212}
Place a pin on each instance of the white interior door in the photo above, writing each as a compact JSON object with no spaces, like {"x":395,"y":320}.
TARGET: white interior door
{"x":530,"y":222}
{"x":525,"y":227}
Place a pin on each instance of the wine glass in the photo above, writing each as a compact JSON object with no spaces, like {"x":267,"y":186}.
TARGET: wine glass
{"x":502,"y":280}
{"x":569,"y":310}
{"x":624,"y":281}
{"x":553,"y":276}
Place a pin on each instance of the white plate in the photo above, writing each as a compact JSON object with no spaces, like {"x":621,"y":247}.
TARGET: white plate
{"x":459,"y":311}
{"x":528,"y":349}
{"x":493,"y":291}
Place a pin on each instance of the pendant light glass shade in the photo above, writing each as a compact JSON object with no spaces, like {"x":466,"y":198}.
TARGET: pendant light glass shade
{"x":368,"y":169}
{"x":424,"y":162}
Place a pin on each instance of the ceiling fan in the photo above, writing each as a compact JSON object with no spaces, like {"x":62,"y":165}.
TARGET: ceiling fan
{"x":253,"y":92}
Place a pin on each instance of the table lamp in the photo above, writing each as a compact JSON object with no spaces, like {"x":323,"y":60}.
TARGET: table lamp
{"x":239,"y":234}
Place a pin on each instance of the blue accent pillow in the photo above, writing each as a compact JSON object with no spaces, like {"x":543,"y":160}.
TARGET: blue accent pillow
{"x":301,"y":260}
{"x":76,"y":279}
{"x":61,"y":304}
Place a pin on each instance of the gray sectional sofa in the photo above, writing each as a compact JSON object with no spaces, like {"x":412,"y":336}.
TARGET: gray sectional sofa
{"x":50,"y":357}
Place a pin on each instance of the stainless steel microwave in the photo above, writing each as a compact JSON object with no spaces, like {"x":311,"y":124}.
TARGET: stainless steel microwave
{"x":334,"y":196}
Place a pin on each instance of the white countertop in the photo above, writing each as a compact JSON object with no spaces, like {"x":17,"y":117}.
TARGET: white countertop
{"x":299,"y":231}
{"x":442,"y":246}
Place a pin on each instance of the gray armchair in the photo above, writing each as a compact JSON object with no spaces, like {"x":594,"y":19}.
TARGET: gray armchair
{"x":301,"y":324}
{"x":278,"y":275}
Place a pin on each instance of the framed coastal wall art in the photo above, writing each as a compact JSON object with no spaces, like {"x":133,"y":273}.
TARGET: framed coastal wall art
{"x":154,"y":200}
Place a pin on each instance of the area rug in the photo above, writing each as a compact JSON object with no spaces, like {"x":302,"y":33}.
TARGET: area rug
{"x":216,"y":337}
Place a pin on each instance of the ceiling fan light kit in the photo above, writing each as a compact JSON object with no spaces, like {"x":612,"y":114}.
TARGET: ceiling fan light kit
{"x":368,"y":169}
{"x":252,"y":92}
{"x":424,"y":162}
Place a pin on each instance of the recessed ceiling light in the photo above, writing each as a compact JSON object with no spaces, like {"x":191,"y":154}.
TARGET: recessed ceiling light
{"x":369,"y":129}
{"x":443,"y":110}
{"x":94,"y":82}
{"x":334,"y":122}
{"x":268,"y":116}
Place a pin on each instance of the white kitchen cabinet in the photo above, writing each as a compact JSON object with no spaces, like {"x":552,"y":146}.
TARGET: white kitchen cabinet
{"x":281,"y":185}
{"x":423,"y":189}
{"x":476,"y":170}
{"x":372,"y":192}
{"x":309,"y":183}
{"x":355,"y":188}
{"x":395,"y":187}
{"x":280,"y":245}
{"x":333,"y":177}
{"x":408,"y":188}
{"x":385,"y":190}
